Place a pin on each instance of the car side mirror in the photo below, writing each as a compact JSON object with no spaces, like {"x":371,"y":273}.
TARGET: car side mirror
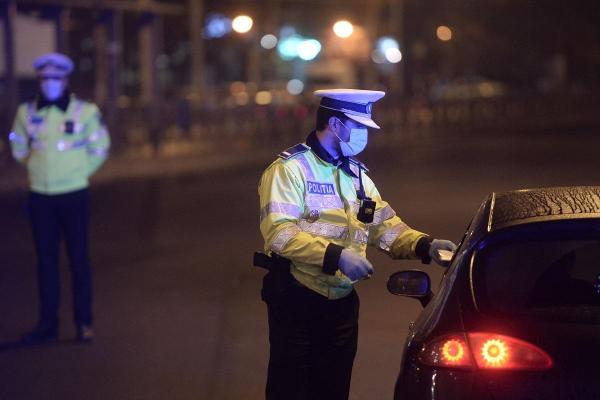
{"x":411,"y":283}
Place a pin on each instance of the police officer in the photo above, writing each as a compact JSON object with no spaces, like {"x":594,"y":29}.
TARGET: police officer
{"x":319,"y":211}
{"x":61,"y":141}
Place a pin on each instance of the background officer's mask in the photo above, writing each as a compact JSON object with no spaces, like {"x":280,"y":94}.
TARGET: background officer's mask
{"x":52,"y":88}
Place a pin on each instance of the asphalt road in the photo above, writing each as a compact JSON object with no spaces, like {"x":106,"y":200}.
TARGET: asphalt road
{"x":178,"y":313}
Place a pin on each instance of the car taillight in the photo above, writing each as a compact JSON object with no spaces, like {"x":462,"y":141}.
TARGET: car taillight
{"x":448,"y":351}
{"x":484,"y":351}
{"x":503,"y":352}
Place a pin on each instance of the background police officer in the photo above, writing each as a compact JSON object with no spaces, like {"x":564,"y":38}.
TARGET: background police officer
{"x":319,"y":211}
{"x":61,"y":141}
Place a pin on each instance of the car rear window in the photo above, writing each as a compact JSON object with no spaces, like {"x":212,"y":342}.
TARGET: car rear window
{"x":542,"y":279}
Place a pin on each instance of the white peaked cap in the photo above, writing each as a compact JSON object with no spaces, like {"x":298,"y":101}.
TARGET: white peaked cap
{"x":355,"y":104}
{"x":53,"y":64}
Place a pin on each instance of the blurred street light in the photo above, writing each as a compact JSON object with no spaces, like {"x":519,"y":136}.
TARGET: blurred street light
{"x":268,"y":41}
{"x":356,"y":47}
{"x":242,"y":24}
{"x":387,"y":49}
{"x":343,"y":29}
{"x":263,"y":98}
{"x":295,"y":86}
{"x":308,"y":49}
{"x":393,"y":55}
{"x":387,"y":42}
{"x":288,"y":47}
{"x":296,"y":46}
{"x":444,"y":33}
{"x":217,"y":25}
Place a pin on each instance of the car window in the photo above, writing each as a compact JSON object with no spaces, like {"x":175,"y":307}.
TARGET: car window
{"x":545,"y":279}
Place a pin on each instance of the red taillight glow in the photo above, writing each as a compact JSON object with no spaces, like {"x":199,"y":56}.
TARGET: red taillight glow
{"x":484,"y":351}
{"x":493,"y":351}
{"x":447,"y":351}
{"x":453,"y":351}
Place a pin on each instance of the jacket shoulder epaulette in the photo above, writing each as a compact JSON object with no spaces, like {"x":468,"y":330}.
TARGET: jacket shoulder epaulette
{"x":293,"y":151}
{"x":357,"y":162}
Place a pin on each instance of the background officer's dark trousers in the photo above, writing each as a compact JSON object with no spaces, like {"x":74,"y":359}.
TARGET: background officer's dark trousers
{"x":313,"y":344}
{"x":50,"y":216}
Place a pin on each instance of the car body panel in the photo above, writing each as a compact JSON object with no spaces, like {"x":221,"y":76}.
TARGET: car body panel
{"x":456,"y":308}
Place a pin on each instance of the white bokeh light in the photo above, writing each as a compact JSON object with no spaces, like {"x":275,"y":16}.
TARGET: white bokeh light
{"x":268,"y":41}
{"x":387,"y":42}
{"x":242,"y":24}
{"x":393,"y":55}
{"x":308,"y":49}
{"x":343,"y":29}
{"x":295,"y":86}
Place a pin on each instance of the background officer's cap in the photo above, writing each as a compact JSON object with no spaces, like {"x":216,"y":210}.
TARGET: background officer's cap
{"x":53,"y":64}
{"x":355,"y":104}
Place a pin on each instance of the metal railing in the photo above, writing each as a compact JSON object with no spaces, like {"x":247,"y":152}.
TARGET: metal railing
{"x":179,"y":128}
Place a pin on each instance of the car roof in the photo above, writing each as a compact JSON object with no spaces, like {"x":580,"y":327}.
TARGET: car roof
{"x":545,"y":204}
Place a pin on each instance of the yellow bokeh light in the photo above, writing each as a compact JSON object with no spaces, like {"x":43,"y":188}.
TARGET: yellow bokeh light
{"x":242,"y":24}
{"x":263,"y":97}
{"x":444,"y":33}
{"x":237,"y":87}
{"x":343,"y":29}
{"x":495,"y":352}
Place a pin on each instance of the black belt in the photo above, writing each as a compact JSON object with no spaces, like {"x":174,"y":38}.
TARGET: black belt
{"x":273,"y":263}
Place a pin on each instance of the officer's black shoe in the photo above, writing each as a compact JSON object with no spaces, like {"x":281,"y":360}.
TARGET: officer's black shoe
{"x":85,"y":333}
{"x":40,"y":334}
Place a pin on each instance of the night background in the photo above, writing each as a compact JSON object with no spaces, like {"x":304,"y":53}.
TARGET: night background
{"x":481,"y":97}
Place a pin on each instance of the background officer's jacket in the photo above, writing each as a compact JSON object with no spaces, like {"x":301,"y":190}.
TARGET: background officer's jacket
{"x":60,"y":149}
{"x":307,"y":203}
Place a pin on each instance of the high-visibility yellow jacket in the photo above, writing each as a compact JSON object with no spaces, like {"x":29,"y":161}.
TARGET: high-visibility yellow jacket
{"x":309,"y":212}
{"x":60,"y":149}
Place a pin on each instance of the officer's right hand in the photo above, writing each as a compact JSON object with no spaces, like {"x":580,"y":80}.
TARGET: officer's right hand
{"x":355,"y":266}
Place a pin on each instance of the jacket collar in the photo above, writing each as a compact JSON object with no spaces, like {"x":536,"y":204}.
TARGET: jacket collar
{"x":62,"y":102}
{"x":313,"y":142}
{"x":343,"y":162}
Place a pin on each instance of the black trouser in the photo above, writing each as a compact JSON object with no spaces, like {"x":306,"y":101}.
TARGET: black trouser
{"x":50,"y":216}
{"x":313,"y":343}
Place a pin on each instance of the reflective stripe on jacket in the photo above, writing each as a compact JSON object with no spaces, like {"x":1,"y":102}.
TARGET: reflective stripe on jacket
{"x":60,"y":149}
{"x":307,"y":203}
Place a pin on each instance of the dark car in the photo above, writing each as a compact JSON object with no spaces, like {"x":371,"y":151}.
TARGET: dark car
{"x":517,"y":313}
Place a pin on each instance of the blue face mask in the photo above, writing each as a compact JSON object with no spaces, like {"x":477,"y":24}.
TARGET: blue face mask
{"x":357,"y":142}
{"x":52,"y":88}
